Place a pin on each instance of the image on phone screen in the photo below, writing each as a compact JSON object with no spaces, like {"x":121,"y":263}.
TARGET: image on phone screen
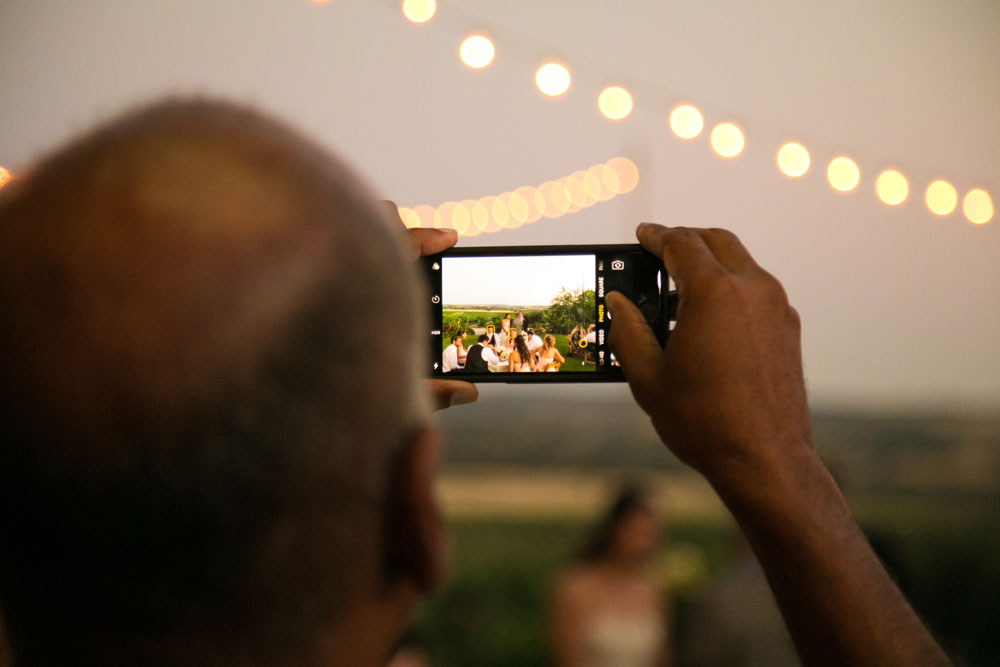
{"x":531,"y":314}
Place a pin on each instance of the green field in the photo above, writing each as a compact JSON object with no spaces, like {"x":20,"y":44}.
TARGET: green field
{"x":494,"y":611}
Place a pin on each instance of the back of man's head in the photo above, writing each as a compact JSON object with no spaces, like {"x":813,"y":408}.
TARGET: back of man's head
{"x":195,"y":433}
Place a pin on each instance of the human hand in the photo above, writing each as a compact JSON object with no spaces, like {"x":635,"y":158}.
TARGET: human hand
{"x":726,"y":394}
{"x":428,"y":242}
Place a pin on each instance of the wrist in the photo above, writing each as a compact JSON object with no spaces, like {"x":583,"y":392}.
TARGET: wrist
{"x":786,"y":490}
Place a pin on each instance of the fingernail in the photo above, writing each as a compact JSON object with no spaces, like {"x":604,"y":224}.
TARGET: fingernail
{"x":464,"y":395}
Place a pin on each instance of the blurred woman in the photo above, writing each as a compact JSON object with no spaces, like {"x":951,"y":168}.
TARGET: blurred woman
{"x":609,"y":610}
{"x":548,"y":354}
{"x":520,"y":358}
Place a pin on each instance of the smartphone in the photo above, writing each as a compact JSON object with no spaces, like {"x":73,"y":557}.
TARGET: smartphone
{"x":536,"y":313}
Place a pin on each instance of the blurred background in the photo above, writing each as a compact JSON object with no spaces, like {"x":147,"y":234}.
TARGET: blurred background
{"x":901,"y":316}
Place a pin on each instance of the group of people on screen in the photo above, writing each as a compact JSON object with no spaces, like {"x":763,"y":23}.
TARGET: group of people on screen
{"x":512,"y":349}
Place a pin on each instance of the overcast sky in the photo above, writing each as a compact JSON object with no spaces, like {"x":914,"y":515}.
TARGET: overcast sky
{"x":900,"y":308}
{"x":514,"y":281}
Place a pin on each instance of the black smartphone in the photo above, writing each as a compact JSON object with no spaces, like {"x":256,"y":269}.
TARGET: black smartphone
{"x":536,"y":313}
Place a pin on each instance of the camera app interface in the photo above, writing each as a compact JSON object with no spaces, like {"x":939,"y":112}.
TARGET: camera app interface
{"x":520,"y":314}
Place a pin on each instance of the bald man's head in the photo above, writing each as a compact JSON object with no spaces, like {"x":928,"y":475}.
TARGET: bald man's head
{"x":204,"y":378}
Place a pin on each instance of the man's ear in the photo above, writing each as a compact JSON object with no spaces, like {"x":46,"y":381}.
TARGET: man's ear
{"x":416,"y":539}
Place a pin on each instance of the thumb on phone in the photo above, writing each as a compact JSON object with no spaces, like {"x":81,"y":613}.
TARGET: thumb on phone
{"x":634,"y":344}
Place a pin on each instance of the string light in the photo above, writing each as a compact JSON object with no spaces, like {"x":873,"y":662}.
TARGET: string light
{"x":843,"y":174}
{"x":977,"y":206}
{"x":891,"y":187}
{"x":793,"y":159}
{"x":527,"y":204}
{"x":419,"y":11}
{"x":603,"y":181}
{"x":686,"y":121}
{"x":615,"y":102}
{"x":552,"y":79}
{"x":476,"y":51}
{"x":727,"y":140}
{"x":941,"y":197}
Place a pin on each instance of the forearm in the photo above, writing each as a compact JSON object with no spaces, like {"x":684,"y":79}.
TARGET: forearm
{"x":839,"y":603}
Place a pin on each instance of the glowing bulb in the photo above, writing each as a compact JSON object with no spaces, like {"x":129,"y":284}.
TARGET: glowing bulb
{"x":977,"y":206}
{"x":891,"y":187}
{"x":941,"y":197}
{"x":686,"y":121}
{"x":843,"y":174}
{"x":529,"y":196}
{"x":499,"y":212}
{"x":476,"y":51}
{"x":615,"y":102}
{"x":592,"y":184}
{"x":628,"y":174}
{"x":5,"y":177}
{"x":557,"y":196}
{"x":552,"y":79}
{"x":419,"y":11}
{"x":793,"y":159}
{"x":727,"y":140}
{"x":409,"y":217}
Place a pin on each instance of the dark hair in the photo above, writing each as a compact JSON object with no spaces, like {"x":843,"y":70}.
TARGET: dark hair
{"x":522,"y":349}
{"x":482,"y":338}
{"x":455,"y":337}
{"x":631,"y":499}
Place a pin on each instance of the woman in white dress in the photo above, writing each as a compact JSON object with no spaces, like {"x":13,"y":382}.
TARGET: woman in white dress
{"x":548,"y":356}
{"x":609,"y":609}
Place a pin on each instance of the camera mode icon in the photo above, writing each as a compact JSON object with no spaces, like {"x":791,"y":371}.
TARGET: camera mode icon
{"x":617,"y":265}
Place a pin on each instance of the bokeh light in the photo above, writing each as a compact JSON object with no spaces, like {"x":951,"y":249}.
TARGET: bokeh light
{"x":793,"y":159}
{"x":686,"y":121}
{"x":557,"y":198}
{"x":5,"y":176}
{"x":941,"y":197}
{"x":607,"y":179}
{"x":530,"y":196}
{"x":526,"y":204}
{"x":409,"y":217}
{"x":476,"y":51}
{"x":615,"y":102}
{"x":552,"y":79}
{"x":727,"y":140}
{"x":419,"y":11}
{"x":843,"y":174}
{"x":891,"y":187}
{"x":977,"y":206}
{"x":627,"y":172}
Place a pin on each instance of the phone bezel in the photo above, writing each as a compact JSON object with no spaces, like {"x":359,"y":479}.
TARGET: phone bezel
{"x":608,"y":374}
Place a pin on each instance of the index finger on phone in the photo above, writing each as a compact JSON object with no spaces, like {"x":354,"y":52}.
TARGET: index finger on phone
{"x":683,"y":251}
{"x":431,"y":241}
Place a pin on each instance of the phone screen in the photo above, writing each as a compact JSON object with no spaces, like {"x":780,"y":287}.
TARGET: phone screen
{"x":533,"y":313}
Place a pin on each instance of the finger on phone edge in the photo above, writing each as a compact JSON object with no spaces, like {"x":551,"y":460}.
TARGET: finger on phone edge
{"x":431,"y":241}
{"x":453,"y":392}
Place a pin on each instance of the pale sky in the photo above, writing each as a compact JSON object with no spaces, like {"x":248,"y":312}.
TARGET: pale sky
{"x":514,"y":281}
{"x":900,"y":308}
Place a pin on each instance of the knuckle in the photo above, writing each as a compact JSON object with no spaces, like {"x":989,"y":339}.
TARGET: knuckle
{"x":720,"y":235}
